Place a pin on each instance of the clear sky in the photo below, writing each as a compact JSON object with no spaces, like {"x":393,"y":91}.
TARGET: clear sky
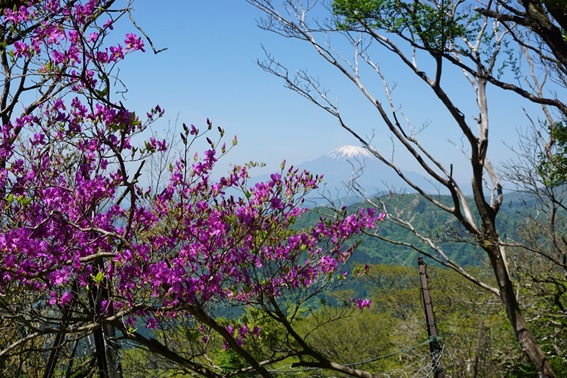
{"x":209,"y":70}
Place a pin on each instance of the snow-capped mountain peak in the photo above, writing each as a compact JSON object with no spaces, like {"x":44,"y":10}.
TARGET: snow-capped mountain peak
{"x":349,"y":152}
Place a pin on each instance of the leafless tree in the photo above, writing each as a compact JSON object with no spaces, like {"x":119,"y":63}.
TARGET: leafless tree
{"x":515,"y":46}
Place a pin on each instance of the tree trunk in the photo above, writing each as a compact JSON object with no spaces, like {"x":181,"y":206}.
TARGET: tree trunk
{"x":529,"y":344}
{"x":105,"y":353}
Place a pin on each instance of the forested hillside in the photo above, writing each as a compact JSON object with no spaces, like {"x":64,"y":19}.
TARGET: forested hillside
{"x":429,"y":220}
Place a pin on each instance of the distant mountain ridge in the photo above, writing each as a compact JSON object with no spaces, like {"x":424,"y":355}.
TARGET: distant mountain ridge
{"x":377,"y":180}
{"x":348,"y":163}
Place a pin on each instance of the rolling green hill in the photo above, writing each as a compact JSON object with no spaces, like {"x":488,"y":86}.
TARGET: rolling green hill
{"x":428,"y":220}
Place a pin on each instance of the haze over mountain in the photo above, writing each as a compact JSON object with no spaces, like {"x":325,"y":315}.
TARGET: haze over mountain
{"x":345,"y":164}
{"x":348,"y":163}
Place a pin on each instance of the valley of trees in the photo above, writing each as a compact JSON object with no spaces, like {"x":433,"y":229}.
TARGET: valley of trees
{"x":122,"y":256}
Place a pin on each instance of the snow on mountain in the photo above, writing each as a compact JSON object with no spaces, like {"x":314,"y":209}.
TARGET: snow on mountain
{"x":347,"y":163}
{"x":341,"y":166}
{"x":349,"y":152}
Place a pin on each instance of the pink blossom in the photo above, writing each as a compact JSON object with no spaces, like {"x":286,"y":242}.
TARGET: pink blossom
{"x":362,"y":303}
{"x":66,"y":298}
{"x":53,"y":299}
{"x":21,"y":49}
{"x":134,"y":43}
{"x":116,"y":53}
{"x":151,"y":323}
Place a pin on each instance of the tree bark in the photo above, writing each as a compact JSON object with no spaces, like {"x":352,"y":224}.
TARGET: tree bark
{"x":528,"y":342}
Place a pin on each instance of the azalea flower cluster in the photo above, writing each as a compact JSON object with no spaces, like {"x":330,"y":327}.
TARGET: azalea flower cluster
{"x":61,"y":44}
{"x":196,"y":241}
{"x":85,"y":232}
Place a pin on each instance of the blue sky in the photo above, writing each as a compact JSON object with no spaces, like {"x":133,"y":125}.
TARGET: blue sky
{"x":210,"y":70}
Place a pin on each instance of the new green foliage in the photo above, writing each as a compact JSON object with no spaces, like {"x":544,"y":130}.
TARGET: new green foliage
{"x":432,"y":24}
{"x":553,"y":160}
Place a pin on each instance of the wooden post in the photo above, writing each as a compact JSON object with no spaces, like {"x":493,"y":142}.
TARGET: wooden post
{"x":479,"y":346}
{"x":434,"y":344}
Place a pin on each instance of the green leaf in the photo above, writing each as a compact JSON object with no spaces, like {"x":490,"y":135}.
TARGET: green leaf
{"x":98,"y":278}
{"x":102,"y":93}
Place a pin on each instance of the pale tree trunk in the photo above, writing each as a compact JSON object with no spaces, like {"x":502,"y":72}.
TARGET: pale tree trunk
{"x":479,"y":66}
{"x":519,"y":324}
{"x":487,"y":234}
